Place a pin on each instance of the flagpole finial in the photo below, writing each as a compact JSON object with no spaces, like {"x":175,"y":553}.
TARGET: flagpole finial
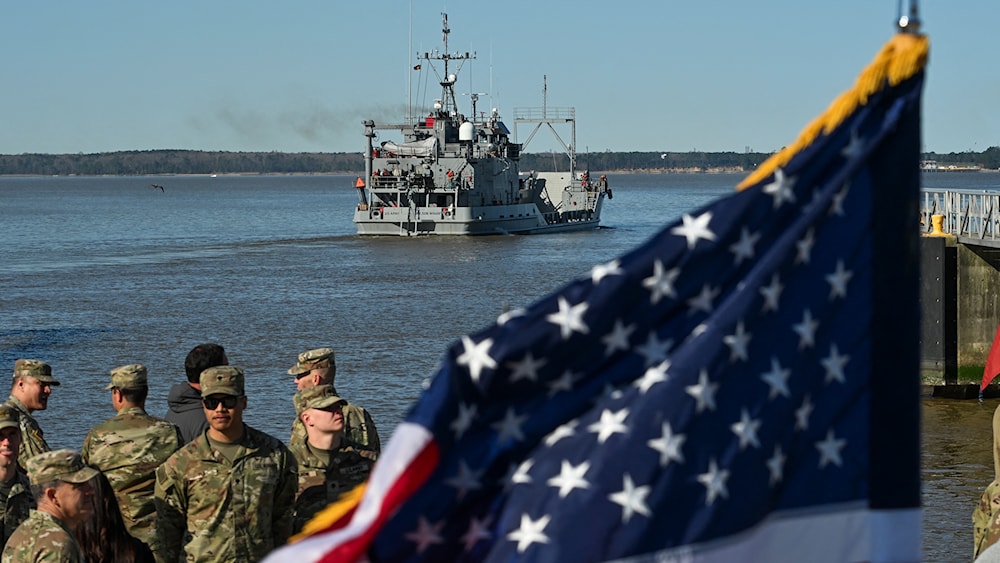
{"x":909,"y":21}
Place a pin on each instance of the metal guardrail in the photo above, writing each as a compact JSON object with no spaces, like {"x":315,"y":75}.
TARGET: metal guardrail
{"x":973,"y":215}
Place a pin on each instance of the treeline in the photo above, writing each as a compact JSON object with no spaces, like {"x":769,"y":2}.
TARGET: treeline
{"x":138,"y":163}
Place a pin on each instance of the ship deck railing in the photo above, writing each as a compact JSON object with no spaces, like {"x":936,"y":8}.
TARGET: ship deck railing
{"x":544,"y":114}
{"x":971,"y":215}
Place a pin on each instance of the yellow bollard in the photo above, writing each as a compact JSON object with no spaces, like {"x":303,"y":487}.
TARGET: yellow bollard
{"x":937,"y":230}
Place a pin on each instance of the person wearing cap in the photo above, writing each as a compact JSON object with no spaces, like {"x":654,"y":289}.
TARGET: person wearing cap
{"x":16,"y":501}
{"x":60,"y":482}
{"x":129,"y":447}
{"x":329,"y":462}
{"x":319,"y":367}
{"x":228,"y":494}
{"x":29,"y":392}
{"x":184,"y":399}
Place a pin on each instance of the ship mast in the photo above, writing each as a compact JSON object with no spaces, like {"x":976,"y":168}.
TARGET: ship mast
{"x":449,"y":104}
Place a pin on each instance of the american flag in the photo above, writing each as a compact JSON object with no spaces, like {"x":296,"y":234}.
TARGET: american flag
{"x":741,"y":387}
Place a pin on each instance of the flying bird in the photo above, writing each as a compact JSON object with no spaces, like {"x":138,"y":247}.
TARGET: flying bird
{"x":157,"y":186}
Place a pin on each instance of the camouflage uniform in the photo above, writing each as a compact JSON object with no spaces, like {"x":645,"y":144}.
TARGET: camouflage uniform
{"x":32,"y":442}
{"x":358,"y":427}
{"x":42,"y":538}
{"x":18,"y":506}
{"x":215,"y":510}
{"x":321,"y":481}
{"x":128,"y":448}
{"x":358,"y":424}
{"x":321,"y":484}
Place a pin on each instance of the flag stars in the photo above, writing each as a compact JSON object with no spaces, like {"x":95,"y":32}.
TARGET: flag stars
{"x":426,"y":534}
{"x":661,"y":283}
{"x":610,"y":423}
{"x":829,"y":450}
{"x":652,"y":376}
{"x":703,"y":392}
{"x":617,"y":339}
{"x":805,"y":246}
{"x":508,"y":315}
{"x":510,"y":426}
{"x":601,"y":271}
{"x":530,"y":532}
{"x":476,"y":357}
{"x":746,"y":430}
{"x":570,"y":477}
{"x":837,"y":205}
{"x":669,"y":446}
{"x":714,"y":481}
{"x":776,"y":465}
{"x":462,"y":422}
{"x":695,"y":228}
{"x":632,"y":499}
{"x":466,"y":480}
{"x":562,"y":431}
{"x":854,"y":147}
{"x":806,"y":330}
{"x":803,"y":413}
{"x":772,"y":293}
{"x":838,"y":280}
{"x":563,"y":383}
{"x":569,"y":318}
{"x":744,"y":248}
{"x":527,"y":368}
{"x":777,"y":379}
{"x":780,"y":189}
{"x":703,"y":301}
{"x":521,"y":476}
{"x":478,"y":530}
{"x":738,"y":343}
{"x":834,"y":364}
{"x":654,"y":350}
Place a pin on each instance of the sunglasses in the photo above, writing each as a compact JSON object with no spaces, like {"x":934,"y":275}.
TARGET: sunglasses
{"x":212,"y":403}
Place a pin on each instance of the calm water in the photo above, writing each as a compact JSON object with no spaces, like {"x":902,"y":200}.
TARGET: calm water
{"x":99,"y":272}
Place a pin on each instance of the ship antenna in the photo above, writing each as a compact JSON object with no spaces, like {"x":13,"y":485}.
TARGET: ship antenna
{"x":545,"y":96}
{"x":409,"y":75}
{"x":908,"y":22}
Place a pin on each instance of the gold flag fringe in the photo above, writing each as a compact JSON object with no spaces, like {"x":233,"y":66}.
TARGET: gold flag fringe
{"x":902,"y":57}
{"x":331,"y":514}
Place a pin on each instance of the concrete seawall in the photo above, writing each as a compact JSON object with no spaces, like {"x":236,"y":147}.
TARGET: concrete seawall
{"x":961,"y":309}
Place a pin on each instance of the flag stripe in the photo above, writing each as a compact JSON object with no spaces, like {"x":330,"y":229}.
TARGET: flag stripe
{"x":407,"y":459}
{"x":857,"y":534}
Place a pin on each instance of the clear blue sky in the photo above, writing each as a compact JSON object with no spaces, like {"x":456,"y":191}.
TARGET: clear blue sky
{"x":290,"y":76}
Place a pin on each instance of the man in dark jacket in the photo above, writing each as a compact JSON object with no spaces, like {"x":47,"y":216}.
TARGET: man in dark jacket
{"x":184,"y":400}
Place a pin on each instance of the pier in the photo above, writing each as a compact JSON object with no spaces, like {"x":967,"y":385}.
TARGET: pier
{"x":960,"y":277}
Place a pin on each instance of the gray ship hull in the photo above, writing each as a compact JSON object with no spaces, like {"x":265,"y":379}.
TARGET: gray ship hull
{"x":448,"y":174}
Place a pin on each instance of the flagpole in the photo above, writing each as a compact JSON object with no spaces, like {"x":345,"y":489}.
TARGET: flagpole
{"x":908,"y":22}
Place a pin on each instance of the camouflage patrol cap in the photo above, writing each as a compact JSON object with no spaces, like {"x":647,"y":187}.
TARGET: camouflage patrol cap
{"x":34,"y":368}
{"x":317,"y":397}
{"x":132,"y":376}
{"x":224,"y":380}
{"x":58,"y":465}
{"x":312,"y":359}
{"x":9,"y":417}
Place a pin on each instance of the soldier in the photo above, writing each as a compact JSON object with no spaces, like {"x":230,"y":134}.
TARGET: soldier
{"x":319,"y":367}
{"x":129,"y":447}
{"x":184,"y":400}
{"x":329,"y":462}
{"x":29,"y":392}
{"x":61,"y":485}
{"x":15,"y":492}
{"x":228,"y":494}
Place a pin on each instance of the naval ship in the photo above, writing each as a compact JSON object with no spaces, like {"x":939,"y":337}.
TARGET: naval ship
{"x":446,"y":173}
